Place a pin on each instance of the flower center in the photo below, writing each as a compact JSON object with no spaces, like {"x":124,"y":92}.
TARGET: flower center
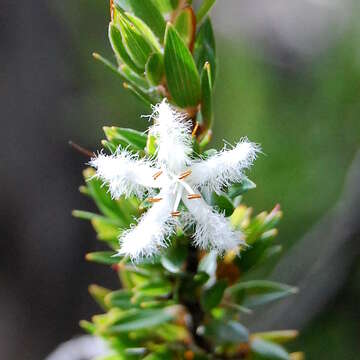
{"x":179,"y":186}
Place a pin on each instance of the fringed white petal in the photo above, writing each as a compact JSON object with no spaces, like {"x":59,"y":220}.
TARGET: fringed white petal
{"x":125,"y":173}
{"x":152,"y":231}
{"x":173,"y":133}
{"x":212,"y":230}
{"x":224,"y":168}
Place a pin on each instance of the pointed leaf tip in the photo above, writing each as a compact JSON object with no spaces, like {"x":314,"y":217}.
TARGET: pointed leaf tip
{"x":206,"y":96}
{"x":205,"y":48}
{"x":204,"y":9}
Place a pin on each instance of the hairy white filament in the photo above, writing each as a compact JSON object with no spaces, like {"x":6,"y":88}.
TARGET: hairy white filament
{"x":224,"y":168}
{"x":212,"y":230}
{"x":125,"y":173}
{"x":152,"y":231}
{"x":173,"y":133}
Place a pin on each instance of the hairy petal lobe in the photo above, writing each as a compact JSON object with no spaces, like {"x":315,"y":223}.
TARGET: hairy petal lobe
{"x":125,"y":173}
{"x":224,"y":168}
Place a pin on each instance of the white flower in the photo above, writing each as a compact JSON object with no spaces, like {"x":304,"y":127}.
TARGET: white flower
{"x":178,"y":178}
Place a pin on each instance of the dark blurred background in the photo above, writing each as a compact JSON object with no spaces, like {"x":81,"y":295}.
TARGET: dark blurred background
{"x":289,"y":79}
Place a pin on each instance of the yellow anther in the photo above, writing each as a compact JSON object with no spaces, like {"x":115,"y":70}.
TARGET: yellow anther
{"x":154,"y":200}
{"x":184,"y":174}
{"x":156,"y":175}
{"x":196,"y":127}
{"x":194,"y":196}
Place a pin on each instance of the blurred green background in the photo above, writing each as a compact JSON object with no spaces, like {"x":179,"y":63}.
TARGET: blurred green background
{"x":304,"y":111}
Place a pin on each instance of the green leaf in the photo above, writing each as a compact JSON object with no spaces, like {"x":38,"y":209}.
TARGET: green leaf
{"x":201,"y":278}
{"x":129,"y":207}
{"x":185,"y":24}
{"x":125,"y":137}
{"x":134,"y":78}
{"x":141,"y":319}
{"x":108,"y":146}
{"x":279,"y":337}
{"x":173,"y":259}
{"x":226,"y":332}
{"x":258,"y":292}
{"x":164,"y":355}
{"x":155,"y":357}
{"x":148,"y":35}
{"x":209,"y":153}
{"x":262,"y":223}
{"x":155,"y":304}
{"x":88,"y":326}
{"x":103,"y":321}
{"x":238,"y":308}
{"x":272,"y":219}
{"x":119,"y":48}
{"x":173,"y":332}
{"x":121,"y":211}
{"x":204,"y":50}
{"x":204,"y":9}
{"x":131,"y":85}
{"x":106,"y":231}
{"x":87,"y":215}
{"x":241,"y":188}
{"x":212,"y":296}
{"x":265,"y":350}
{"x":99,"y":293}
{"x":151,"y":145}
{"x":165,"y":6}
{"x":206,"y":97}
{"x":151,"y":15}
{"x":223,"y":203}
{"x":137,"y":47}
{"x":154,"y":69}
{"x":254,"y":254}
{"x":123,"y":4}
{"x":103,"y":257}
{"x":109,"y":65}
{"x":206,"y":139}
{"x":134,"y":276}
{"x":102,"y":198}
{"x":157,"y":288}
{"x":120,"y":299}
{"x":182,"y":76}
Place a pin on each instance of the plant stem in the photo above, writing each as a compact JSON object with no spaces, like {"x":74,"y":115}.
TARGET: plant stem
{"x":191,"y":302}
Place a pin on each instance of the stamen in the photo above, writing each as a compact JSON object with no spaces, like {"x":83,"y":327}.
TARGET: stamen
{"x":184,"y":174}
{"x":194,"y":196}
{"x":156,"y":175}
{"x":193,"y":134}
{"x":175,"y":213}
{"x":154,"y":200}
